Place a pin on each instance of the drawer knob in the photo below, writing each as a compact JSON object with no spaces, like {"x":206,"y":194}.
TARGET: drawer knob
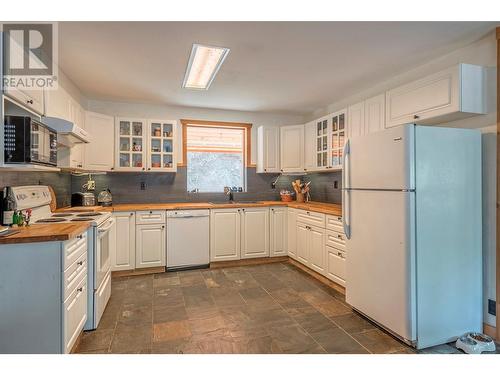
{"x":80,"y":263}
{"x":416,"y":117}
{"x":80,"y":236}
{"x":80,"y":289}
{"x":339,"y":236}
{"x":150,"y":212}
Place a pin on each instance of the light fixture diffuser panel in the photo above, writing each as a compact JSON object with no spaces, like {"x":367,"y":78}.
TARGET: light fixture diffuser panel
{"x":204,"y":63}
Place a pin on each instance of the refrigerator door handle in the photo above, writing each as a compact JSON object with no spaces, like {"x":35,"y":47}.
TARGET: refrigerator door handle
{"x":345,"y":209}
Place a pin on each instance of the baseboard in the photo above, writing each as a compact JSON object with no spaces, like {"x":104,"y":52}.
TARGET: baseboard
{"x":490,"y":331}
{"x":247,"y":262}
{"x":317,"y":276}
{"x":138,"y":271}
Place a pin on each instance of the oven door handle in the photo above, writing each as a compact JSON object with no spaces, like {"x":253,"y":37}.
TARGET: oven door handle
{"x":111,"y":222}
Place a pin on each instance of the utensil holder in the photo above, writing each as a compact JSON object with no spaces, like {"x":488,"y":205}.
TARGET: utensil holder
{"x":300,"y":197}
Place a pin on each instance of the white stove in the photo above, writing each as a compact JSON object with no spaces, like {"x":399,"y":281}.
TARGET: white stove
{"x":38,"y":198}
{"x":95,"y":218}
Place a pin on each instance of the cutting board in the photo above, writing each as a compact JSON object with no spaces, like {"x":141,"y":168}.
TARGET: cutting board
{"x":53,"y":201}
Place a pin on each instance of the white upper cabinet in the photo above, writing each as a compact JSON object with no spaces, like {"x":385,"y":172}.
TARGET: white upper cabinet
{"x":31,"y":99}
{"x":310,"y":146}
{"x":99,"y":153}
{"x":64,"y":106}
{"x":145,"y":145}
{"x":375,"y":114}
{"x":338,"y":131}
{"x":451,"y":94}
{"x":292,"y":148}
{"x":268,"y":149}
{"x":130,"y":144}
{"x":356,"y":119}
{"x":321,"y":146}
{"x":160,"y":150}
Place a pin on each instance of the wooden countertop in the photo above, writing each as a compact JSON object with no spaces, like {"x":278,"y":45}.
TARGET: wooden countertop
{"x":326,"y":208}
{"x":45,"y":233}
{"x":67,"y":231}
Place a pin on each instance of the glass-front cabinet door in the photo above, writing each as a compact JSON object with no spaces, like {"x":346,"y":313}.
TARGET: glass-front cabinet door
{"x":161,"y":138}
{"x":322,"y":143}
{"x":131,"y":143}
{"x":338,"y":138}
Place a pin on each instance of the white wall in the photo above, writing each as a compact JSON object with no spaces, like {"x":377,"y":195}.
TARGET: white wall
{"x":156,"y":111}
{"x":482,"y":52}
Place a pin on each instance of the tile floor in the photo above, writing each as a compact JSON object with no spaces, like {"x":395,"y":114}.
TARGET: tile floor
{"x":271,"y":308}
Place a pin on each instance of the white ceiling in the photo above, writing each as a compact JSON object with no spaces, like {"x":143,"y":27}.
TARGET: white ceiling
{"x":281,"y":67}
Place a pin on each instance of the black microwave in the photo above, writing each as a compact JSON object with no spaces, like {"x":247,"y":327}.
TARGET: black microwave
{"x":28,"y":141}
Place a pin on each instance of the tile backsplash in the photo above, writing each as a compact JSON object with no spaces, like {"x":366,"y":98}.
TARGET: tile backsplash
{"x":60,"y":182}
{"x":171,"y":187}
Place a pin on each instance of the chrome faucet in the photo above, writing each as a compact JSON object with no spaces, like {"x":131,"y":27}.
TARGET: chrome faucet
{"x":229,"y":191}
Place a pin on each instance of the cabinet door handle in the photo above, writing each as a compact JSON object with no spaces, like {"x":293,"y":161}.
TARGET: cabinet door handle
{"x":80,"y":263}
{"x":265,"y":170}
{"x":30,"y":101}
{"x":149,"y":169}
{"x":131,"y":214}
{"x":416,"y":117}
{"x":80,"y":289}
{"x":80,"y":236}
{"x":112,"y":168}
{"x":339,"y":218}
{"x":150,"y":212}
{"x":339,"y":236}
{"x":163,"y":227}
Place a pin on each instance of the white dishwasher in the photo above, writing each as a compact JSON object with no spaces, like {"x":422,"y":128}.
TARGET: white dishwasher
{"x":188,"y":239}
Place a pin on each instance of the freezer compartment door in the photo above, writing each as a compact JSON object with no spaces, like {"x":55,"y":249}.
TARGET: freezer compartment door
{"x":380,"y":257}
{"x":381,"y":160}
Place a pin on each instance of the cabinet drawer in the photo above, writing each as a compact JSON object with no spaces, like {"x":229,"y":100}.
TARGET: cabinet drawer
{"x":75,"y":315}
{"x":74,"y":248}
{"x":150,"y":217}
{"x":311,"y":218}
{"x":336,"y":267}
{"x":334,"y":223}
{"x":335,"y":239}
{"x":74,"y":274}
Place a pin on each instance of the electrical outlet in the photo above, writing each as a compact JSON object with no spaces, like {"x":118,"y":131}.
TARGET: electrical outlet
{"x":143,"y":185}
{"x":492,"y":307}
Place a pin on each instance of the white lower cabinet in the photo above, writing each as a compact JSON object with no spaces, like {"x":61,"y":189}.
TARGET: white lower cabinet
{"x":225,"y":234}
{"x":278,"y":231}
{"x":43,"y":308}
{"x":335,"y":265}
{"x":291,"y":232}
{"x":123,"y":258}
{"x":239,"y":233}
{"x":75,"y":315}
{"x":317,"y":249}
{"x":254,"y":232}
{"x":311,"y":246}
{"x":302,"y":247}
{"x":150,"y":242}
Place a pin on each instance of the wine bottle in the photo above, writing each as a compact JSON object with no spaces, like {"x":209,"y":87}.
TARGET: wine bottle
{"x":8,"y":205}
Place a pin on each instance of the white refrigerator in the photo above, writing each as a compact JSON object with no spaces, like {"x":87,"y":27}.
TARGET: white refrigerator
{"x":412,"y":218}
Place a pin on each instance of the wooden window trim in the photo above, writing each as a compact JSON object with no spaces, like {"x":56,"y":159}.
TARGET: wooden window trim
{"x":220,"y":124}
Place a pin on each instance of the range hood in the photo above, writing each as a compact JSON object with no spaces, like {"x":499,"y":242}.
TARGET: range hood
{"x":68,"y":134}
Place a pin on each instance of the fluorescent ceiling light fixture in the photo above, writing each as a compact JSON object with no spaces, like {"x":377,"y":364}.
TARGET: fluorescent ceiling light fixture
{"x":203,"y":65}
